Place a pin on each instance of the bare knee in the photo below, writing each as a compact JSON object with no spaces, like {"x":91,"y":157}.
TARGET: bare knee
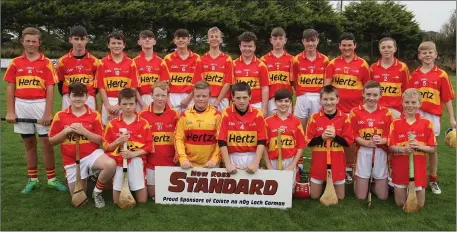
{"x":360,"y":196}
{"x":399,"y":202}
{"x":383,"y":196}
{"x":110,"y":165}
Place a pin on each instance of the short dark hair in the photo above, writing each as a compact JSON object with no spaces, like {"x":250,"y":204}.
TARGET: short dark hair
{"x":240,"y":87}
{"x":147,"y":33}
{"x":278,"y":31}
{"x":387,"y":39}
{"x":247,"y":37}
{"x":328,"y":89}
{"x":77,"y":88}
{"x":347,"y":36}
{"x":371,"y":84}
{"x":78,"y":31}
{"x":127,"y":93}
{"x":181,"y":33}
{"x":116,"y":35}
{"x":283,"y":93}
{"x":310,"y":33}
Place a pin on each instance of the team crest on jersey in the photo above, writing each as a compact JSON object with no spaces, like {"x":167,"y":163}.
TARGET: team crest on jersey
{"x":116,"y":72}
{"x":370,"y":124}
{"x":79,"y":67}
{"x":159,"y":125}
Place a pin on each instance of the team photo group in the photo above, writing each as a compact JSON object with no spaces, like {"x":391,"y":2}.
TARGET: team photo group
{"x":374,"y":125}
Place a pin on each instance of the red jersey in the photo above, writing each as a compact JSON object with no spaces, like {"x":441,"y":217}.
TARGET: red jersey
{"x":217,"y":72}
{"x":162,"y":128}
{"x":398,"y":136}
{"x":31,"y":77}
{"x":364,"y":122}
{"x":70,"y":70}
{"x":242,"y":132}
{"x":183,"y":73}
{"x":316,"y":127}
{"x":393,"y":81}
{"x":140,"y":137}
{"x":114,"y":77}
{"x":349,"y":79}
{"x":254,"y":74}
{"x":91,"y":120}
{"x":292,"y":137}
{"x":435,"y":89}
{"x":149,"y":71}
{"x":307,"y":75}
{"x":278,"y":71}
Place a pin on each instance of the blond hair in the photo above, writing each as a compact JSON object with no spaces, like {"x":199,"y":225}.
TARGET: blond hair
{"x":161,"y":85}
{"x":215,"y":30}
{"x":31,"y":31}
{"x":427,"y":45}
{"x":412,"y":92}
{"x":202,"y":85}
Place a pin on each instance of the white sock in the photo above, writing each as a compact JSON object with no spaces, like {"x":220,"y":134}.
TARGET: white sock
{"x":34,"y":178}
{"x":348,"y":169}
{"x":98,"y":190}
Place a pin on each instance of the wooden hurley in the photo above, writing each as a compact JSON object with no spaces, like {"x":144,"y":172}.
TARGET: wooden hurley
{"x":79,"y":197}
{"x":329,"y":197}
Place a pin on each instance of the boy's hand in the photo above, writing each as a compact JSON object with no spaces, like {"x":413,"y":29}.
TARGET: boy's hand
{"x":369,"y":143}
{"x":185,"y":102}
{"x":67,"y":130}
{"x":128,"y":154}
{"x":414,"y":144}
{"x":122,"y":138}
{"x":230,"y":168}
{"x":453,"y":123}
{"x":11,"y":117}
{"x":216,"y":104}
{"x":210,"y":164}
{"x":186,"y":164}
{"x":78,"y":128}
{"x":47,"y":118}
{"x":252,"y":167}
{"x":377,"y":139}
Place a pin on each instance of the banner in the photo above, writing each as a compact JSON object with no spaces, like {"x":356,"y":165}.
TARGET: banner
{"x":216,"y":187}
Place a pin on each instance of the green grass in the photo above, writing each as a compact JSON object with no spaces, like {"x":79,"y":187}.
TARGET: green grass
{"x":47,"y":209}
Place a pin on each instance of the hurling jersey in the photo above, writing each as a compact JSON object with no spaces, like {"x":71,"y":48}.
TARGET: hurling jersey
{"x":163,"y":136}
{"x":434,"y":87}
{"x":31,"y":77}
{"x":255,"y":74}
{"x":217,"y":72}
{"x":196,"y":136}
{"x":182,"y":73}
{"x":140,"y":137}
{"x":278,"y":71}
{"x":307,"y":75}
{"x":242,"y":132}
{"x":398,"y":136}
{"x":91,"y":120}
{"x":114,"y":77}
{"x":349,"y":79}
{"x":292,"y":136}
{"x":393,"y":81}
{"x":70,"y":70}
{"x":149,"y":71}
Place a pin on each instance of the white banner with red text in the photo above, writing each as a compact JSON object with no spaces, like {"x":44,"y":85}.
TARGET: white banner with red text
{"x":216,"y":187}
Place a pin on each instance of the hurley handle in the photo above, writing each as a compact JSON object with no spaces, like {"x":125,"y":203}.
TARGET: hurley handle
{"x":279,"y":142}
{"x":411,"y":136}
{"x":124,"y":148}
{"x":329,"y":158}
{"x":77,"y":138}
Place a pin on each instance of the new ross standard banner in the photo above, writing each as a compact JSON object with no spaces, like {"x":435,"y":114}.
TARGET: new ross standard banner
{"x":216,"y":187}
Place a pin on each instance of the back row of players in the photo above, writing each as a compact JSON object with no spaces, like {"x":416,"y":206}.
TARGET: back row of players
{"x":31,"y":78}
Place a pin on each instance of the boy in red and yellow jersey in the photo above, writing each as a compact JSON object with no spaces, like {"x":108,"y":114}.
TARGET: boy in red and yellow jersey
{"x":400,"y":145}
{"x":78,"y":65}
{"x":139,"y":142}
{"x":29,"y":94}
{"x":79,"y":120}
{"x":292,"y":138}
{"x":328,"y":124}
{"x":436,"y":90}
{"x":217,"y":70}
{"x":278,"y":63}
{"x":150,"y":66}
{"x":115,"y":72}
{"x":247,"y":68}
{"x":185,"y":70}
{"x":308,"y":69}
{"x":195,"y":138}
{"x":392,"y":74}
{"x":242,"y":135}
{"x":348,"y":73}
{"x":162,"y":120}
{"x":365,"y":119}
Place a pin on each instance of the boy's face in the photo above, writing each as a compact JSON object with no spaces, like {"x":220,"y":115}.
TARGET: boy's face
{"x":278,"y":42}
{"x":116,"y":46}
{"x":387,"y":49}
{"x":79,"y":43}
{"x":78,"y":101}
{"x":146,"y":42}
{"x":310,"y":44}
{"x":31,"y":43}
{"x":201,"y":98}
{"x":241,"y":100}
{"x":283,"y":105}
{"x":371,"y":96}
{"x":329,"y":102}
{"x":428,"y":56}
{"x":181,"y":42}
{"x":160,"y":97}
{"x":247,"y":48}
{"x":214,"y":39}
{"x":347,"y":48}
{"x":411,"y":105}
{"x":128,"y":106}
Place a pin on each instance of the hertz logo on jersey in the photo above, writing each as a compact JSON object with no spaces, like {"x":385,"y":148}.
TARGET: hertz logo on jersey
{"x":163,"y":138}
{"x":242,"y":138}
{"x":71,"y":139}
{"x":287,"y":142}
{"x":201,"y":137}
{"x":181,"y":78}
{"x":368,"y":133}
{"x":279,"y":77}
{"x":131,"y":146}
{"x":214,"y":78}
{"x":148,"y":79}
{"x":311,"y":80}
{"x":116,"y":83}
{"x":253,"y":82}
{"x":85,"y":79}
{"x":430,"y":95}
{"x":346,"y":82}
{"x":29,"y":82}
{"x":334,"y":147}
{"x":390,"y":89}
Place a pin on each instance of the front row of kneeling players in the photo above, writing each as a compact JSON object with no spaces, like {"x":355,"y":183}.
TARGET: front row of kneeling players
{"x":202,"y":136}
